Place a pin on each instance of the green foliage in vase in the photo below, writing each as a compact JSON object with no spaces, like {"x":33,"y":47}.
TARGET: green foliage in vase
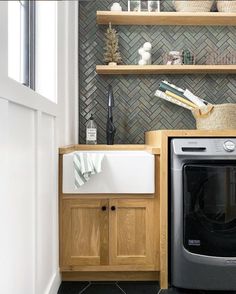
{"x":112,"y":53}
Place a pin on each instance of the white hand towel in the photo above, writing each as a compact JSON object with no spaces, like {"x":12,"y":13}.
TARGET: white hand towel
{"x":86,"y":165}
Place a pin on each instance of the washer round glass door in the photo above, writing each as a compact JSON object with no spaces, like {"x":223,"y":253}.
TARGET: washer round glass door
{"x":210,"y":208}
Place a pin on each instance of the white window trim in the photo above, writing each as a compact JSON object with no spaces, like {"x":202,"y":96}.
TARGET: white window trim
{"x":68,"y":75}
{"x":11,"y":89}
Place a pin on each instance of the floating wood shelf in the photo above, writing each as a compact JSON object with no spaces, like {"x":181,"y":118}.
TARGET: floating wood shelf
{"x":167,"y":18}
{"x":165,"y":69}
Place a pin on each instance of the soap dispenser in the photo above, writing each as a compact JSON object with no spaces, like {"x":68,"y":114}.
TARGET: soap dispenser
{"x":91,"y":131}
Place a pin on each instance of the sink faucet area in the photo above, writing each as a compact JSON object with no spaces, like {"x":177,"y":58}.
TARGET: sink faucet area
{"x":111,"y":129}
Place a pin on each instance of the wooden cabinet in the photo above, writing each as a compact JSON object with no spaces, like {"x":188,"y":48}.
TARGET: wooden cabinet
{"x":84,"y":239}
{"x":131,"y":232}
{"x":102,"y":232}
{"x":110,"y":237}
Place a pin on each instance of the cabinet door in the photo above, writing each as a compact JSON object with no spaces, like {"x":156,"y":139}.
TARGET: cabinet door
{"x":131,"y":232}
{"x":84,"y":239}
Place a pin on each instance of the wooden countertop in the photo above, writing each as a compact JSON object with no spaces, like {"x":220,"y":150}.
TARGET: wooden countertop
{"x":198,"y":133}
{"x":153,"y":141}
{"x":155,"y":138}
{"x":129,"y":147}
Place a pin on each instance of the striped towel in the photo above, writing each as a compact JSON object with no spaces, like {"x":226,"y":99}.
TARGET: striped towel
{"x":86,"y":165}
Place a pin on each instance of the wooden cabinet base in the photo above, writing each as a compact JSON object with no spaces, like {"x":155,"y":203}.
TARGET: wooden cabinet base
{"x":110,"y":276}
{"x":110,"y":268}
{"x":110,"y":237}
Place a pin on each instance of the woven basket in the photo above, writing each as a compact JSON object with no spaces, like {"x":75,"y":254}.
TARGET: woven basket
{"x":226,"y":6}
{"x":216,"y":117}
{"x":193,"y":6}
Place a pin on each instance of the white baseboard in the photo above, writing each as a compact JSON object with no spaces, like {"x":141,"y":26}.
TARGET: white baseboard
{"x":54,"y":284}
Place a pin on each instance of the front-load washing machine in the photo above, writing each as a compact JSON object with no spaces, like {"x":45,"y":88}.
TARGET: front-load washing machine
{"x":203,"y":213}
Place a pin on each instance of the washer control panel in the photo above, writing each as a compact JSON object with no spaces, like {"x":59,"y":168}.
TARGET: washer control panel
{"x":229,"y":146}
{"x":203,"y":147}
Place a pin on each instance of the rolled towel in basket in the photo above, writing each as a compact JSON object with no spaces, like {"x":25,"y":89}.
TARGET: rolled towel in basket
{"x":86,"y":165}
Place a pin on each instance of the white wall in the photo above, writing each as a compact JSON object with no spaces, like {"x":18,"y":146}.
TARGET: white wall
{"x":29,"y":203}
{"x":31,"y":129}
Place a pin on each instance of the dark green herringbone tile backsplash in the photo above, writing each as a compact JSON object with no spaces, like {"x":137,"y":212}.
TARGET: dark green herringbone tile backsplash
{"x":136,"y":108}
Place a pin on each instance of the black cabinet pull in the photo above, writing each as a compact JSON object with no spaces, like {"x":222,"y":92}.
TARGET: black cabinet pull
{"x":113,"y":208}
{"x":104,"y":208}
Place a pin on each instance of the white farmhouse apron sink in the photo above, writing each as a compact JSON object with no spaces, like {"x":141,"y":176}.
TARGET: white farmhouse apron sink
{"x":123,"y":172}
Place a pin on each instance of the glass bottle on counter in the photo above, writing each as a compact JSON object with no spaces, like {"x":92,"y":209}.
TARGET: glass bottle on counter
{"x":91,"y":131}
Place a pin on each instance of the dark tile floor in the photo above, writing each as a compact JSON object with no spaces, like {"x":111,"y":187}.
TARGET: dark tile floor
{"x":125,"y":288}
{"x":109,"y":288}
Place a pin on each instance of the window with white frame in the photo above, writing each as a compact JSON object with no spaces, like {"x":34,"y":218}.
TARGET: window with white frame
{"x":32,"y":45}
